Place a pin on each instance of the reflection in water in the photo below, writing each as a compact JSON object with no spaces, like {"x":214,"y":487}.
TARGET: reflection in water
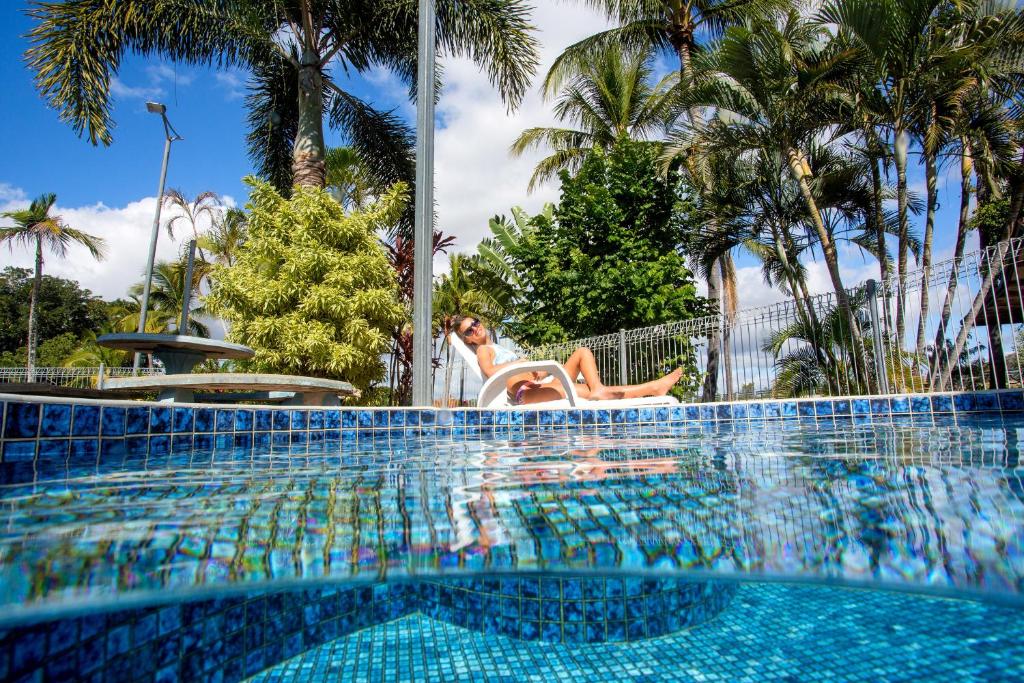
{"x":935,"y":506}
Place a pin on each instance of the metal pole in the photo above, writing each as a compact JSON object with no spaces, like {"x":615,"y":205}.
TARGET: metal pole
{"x":881,"y":376}
{"x":186,"y":298}
{"x":422,"y":387}
{"x":153,"y":247}
{"x":623,"y":371}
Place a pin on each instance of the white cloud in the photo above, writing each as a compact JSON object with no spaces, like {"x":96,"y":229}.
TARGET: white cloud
{"x":119,"y":88}
{"x":126,"y":231}
{"x":475,"y":176}
{"x":161,"y":73}
{"x":233,"y":83}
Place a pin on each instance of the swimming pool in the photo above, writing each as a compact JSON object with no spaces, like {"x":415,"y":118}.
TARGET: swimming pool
{"x":851,"y":539}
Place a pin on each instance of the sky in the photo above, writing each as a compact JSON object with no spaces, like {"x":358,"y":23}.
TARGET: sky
{"x":111,"y":191}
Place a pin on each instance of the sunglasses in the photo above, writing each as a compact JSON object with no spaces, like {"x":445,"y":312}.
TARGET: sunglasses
{"x":473,"y":325}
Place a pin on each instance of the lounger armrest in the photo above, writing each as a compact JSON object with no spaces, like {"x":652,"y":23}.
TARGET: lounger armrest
{"x":493,"y":393}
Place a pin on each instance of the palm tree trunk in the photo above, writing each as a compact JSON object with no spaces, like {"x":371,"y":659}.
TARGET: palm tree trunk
{"x":797,"y":165}
{"x":900,"y":146}
{"x":33,"y":311}
{"x":931,"y":178}
{"x":878,"y":217}
{"x":938,"y":359}
{"x":710,"y":390}
{"x":308,"y":153}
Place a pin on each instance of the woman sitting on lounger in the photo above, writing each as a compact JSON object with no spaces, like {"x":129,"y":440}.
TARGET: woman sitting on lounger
{"x":526,"y":388}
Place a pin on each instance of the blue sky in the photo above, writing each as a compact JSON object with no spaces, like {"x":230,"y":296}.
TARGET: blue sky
{"x":110,"y":191}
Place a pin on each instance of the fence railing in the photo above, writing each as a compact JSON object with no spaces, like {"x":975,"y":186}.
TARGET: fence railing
{"x":954,"y":326}
{"x":76,"y":378}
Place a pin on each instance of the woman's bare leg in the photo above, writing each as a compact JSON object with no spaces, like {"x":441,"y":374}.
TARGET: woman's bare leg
{"x":658,"y":387}
{"x":582,"y":360}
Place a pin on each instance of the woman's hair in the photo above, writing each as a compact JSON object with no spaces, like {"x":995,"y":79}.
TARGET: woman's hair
{"x":459,"y":319}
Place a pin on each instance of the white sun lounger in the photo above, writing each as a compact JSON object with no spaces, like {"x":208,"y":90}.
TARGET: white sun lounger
{"x":493,"y":394}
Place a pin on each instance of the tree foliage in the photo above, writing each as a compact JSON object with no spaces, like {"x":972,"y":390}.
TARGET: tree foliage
{"x":609,"y":259}
{"x":64,"y":307}
{"x":311,"y":289}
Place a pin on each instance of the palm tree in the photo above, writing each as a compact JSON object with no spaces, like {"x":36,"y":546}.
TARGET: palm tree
{"x":686,"y":27}
{"x":293,"y":50}
{"x":35,"y":227}
{"x":610,"y":97}
{"x":191,"y":212}
{"x":348,"y":180}
{"x":777,"y":84}
{"x":493,"y":265}
{"x":167,"y":296}
{"x":225,"y":237}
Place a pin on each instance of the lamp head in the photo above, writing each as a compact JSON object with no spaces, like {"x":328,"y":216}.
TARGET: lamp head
{"x":156,"y":108}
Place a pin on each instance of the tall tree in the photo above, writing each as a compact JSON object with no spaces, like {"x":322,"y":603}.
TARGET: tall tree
{"x":293,"y":49}
{"x":610,"y":97}
{"x":34,"y":227}
{"x":685,"y":28}
{"x":777,"y":84}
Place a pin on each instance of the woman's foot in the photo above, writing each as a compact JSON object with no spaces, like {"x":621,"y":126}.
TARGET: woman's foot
{"x":663,"y":385}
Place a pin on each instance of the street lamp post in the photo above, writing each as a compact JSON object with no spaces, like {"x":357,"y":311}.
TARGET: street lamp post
{"x":422,"y":339}
{"x":170,"y":135}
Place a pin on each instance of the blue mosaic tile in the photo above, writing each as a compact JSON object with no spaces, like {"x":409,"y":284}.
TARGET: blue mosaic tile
{"x":111,"y":449}
{"x":964,"y":402}
{"x":158,"y":445}
{"x":986,"y":401}
{"x":823,"y":408}
{"x":773,"y":409}
{"x":54,"y":449}
{"x":263,"y":420}
{"x":299,"y":419}
{"x":56,"y":420}
{"x":789,"y":409}
{"x":316,"y":419}
{"x":861,"y":406}
{"x":183,"y":419}
{"x":381,"y":419}
{"x":243,"y":420}
{"x":723,"y":412}
{"x":113,"y":421}
{"x":1011,"y":400}
{"x":412,"y":418}
{"x":920,"y":404}
{"x":85,"y":449}
{"x":281,"y":420}
{"x":159,"y":420}
{"x":137,"y":421}
{"x":365,"y":419}
{"x":204,"y":419}
{"x":225,"y":421}
{"x":880,"y":406}
{"x":899,"y":405}
{"x":86,"y":421}
{"x":841,"y":407}
{"x":805,"y":408}
{"x":739,"y":411}
{"x":19,"y":451}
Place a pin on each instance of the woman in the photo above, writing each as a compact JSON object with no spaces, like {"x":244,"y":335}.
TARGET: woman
{"x":525,"y":388}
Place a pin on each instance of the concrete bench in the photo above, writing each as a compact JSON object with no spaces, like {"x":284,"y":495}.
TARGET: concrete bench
{"x":288,"y":389}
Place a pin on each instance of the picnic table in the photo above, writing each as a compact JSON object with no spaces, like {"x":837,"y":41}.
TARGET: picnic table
{"x":180,"y":354}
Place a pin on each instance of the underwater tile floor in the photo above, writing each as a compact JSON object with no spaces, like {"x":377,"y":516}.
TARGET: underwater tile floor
{"x":770,"y":632}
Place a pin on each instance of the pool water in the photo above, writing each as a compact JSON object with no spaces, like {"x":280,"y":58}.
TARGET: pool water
{"x":727,"y":551}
